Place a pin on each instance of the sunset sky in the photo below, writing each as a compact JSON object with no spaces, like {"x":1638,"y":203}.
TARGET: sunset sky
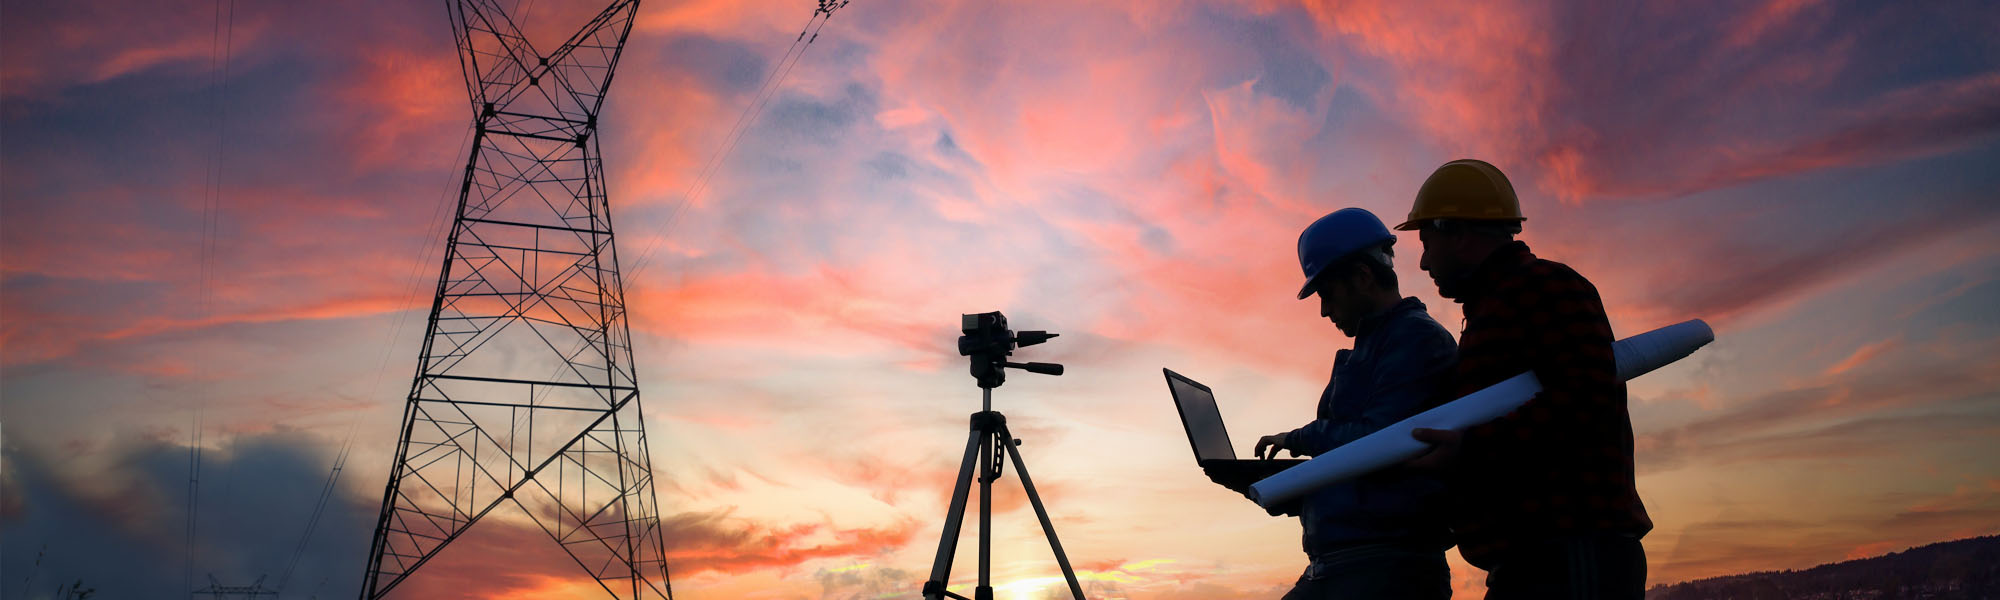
{"x":1817,"y":180}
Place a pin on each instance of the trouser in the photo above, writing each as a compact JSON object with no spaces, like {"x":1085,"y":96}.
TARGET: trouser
{"x":1604,"y":567}
{"x":1376,"y":572}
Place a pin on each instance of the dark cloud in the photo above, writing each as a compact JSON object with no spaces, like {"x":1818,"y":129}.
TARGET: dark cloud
{"x":718,"y":64}
{"x":890,"y":165}
{"x":947,"y":147}
{"x":121,"y":528}
{"x":1290,"y":72}
{"x":864,"y":581}
{"x":820,"y":120}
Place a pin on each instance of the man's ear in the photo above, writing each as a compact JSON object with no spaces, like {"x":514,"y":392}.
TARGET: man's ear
{"x":1361,"y":277}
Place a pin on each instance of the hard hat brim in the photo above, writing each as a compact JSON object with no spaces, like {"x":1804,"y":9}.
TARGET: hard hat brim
{"x":1306,"y":291}
{"x":1416,"y":224}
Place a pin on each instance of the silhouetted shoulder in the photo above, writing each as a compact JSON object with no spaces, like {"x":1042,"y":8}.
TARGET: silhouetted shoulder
{"x":1417,"y":327}
{"x":1558,"y":275}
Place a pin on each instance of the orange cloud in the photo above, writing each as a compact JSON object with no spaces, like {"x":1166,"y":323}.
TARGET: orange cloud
{"x":701,"y":542}
{"x":35,"y":340}
{"x":1724,"y":546}
{"x":1863,"y":356}
{"x":1118,"y":171}
{"x":497,"y":558}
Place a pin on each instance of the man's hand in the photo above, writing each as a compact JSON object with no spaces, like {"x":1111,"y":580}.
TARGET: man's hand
{"x":1274,"y":443}
{"x":1444,"y":449}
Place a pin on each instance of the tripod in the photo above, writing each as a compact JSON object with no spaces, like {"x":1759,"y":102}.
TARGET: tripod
{"x":988,"y":341}
{"x":988,"y":441}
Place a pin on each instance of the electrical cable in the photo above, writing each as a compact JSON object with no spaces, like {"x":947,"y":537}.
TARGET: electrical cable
{"x":772,"y":83}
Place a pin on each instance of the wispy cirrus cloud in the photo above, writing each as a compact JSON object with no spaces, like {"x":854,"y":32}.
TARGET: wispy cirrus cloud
{"x":1130,"y":174}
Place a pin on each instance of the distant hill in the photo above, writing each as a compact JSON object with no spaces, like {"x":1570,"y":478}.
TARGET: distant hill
{"x":1967,"y":569}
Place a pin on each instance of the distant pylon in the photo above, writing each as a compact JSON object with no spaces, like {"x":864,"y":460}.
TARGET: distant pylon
{"x":530,"y":286}
{"x":217,"y":591}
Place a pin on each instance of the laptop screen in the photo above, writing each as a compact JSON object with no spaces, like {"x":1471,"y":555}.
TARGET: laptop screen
{"x":1202,"y":420}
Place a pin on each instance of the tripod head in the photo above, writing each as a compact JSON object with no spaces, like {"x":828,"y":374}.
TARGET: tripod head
{"x":988,"y":341}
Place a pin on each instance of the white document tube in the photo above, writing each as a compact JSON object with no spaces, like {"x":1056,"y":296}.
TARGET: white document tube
{"x":1636,"y":355}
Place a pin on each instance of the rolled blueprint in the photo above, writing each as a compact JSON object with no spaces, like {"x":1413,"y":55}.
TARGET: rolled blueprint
{"x":1635,"y":356}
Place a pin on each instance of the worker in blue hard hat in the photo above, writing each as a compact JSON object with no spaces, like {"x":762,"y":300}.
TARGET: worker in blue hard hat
{"x":1380,"y":536}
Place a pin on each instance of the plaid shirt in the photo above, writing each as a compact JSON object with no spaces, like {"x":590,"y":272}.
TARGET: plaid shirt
{"x":1560,"y":465}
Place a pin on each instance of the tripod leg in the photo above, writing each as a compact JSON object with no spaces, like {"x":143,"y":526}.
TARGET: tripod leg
{"x":1021,"y":468}
{"x":948,"y":542}
{"x":989,"y":452}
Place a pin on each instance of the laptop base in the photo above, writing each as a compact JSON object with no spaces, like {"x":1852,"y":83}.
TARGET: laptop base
{"x":1238,"y":474}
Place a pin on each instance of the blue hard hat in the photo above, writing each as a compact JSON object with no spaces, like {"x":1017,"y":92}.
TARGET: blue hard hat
{"x":1336,"y":235}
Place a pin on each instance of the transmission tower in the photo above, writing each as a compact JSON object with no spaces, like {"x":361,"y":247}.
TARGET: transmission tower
{"x":530,"y":286}
{"x":217,"y":591}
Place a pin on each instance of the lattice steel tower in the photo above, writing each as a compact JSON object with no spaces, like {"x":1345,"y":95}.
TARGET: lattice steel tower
{"x":530,"y":286}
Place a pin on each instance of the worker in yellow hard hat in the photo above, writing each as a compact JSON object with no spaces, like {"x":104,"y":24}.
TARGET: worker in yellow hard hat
{"x":1543,"y":498}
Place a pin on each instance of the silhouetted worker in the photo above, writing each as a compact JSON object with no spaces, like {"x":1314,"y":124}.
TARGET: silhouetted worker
{"x":1543,"y":498}
{"x":1379,"y":536}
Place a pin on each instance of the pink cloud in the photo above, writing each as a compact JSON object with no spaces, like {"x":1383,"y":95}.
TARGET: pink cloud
{"x":1489,"y":81}
{"x":1112,"y":167}
{"x":1863,"y":355}
{"x":702,"y":542}
{"x":65,"y":46}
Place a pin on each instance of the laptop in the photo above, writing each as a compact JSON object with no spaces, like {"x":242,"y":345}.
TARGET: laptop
{"x":1210,"y":439}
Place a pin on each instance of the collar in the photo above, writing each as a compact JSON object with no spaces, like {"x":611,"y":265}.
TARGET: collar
{"x":1502,"y":261}
{"x":1373,"y":322}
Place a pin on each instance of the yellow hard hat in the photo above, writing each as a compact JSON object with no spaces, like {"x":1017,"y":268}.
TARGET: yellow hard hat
{"x":1464,"y":189}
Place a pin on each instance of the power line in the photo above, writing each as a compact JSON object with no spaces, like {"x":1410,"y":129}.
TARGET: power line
{"x":319,"y":507}
{"x":194,"y":498}
{"x":232,"y":459}
{"x":433,"y":232}
{"x":772,"y":82}
{"x":211,"y":218}
{"x":413,"y":282}
{"x":223,"y":37}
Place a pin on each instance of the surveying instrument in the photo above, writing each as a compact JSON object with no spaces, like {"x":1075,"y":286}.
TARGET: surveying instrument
{"x":988,"y":342}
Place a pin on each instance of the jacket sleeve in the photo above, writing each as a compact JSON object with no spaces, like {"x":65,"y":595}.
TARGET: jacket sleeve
{"x":1403,"y":378}
{"x":1568,"y":339}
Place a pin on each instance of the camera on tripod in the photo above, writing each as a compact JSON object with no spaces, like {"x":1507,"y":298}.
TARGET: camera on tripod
{"x":988,"y":341}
